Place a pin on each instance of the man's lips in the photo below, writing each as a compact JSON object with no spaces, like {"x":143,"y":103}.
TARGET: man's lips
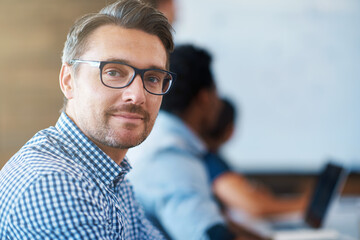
{"x":127,"y":115}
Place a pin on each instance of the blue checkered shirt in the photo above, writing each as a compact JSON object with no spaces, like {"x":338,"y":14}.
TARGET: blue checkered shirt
{"x":60,"y":185}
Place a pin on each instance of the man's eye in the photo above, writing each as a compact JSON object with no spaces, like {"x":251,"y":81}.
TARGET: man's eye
{"x":113,"y":73}
{"x":153,"y":79}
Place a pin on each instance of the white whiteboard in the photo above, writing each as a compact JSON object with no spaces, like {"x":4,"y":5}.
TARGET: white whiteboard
{"x":293,"y":67}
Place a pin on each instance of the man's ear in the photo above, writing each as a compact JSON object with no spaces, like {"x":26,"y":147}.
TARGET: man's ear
{"x":66,"y":81}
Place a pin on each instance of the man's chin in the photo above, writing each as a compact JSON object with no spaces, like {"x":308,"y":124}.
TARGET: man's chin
{"x":125,"y":142}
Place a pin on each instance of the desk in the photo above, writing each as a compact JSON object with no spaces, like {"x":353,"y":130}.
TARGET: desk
{"x":343,"y":216}
{"x":342,"y":223}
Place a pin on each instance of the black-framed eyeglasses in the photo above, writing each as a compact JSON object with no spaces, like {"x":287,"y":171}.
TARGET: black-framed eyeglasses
{"x":120,"y":75}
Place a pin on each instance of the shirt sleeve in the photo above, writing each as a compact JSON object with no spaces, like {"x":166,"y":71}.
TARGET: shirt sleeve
{"x":220,"y":232}
{"x":215,"y":165}
{"x":147,"y":231}
{"x":177,"y":192}
{"x":58,"y":206}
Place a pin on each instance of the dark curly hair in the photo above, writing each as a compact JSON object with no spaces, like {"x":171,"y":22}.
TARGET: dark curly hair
{"x":192,"y":66}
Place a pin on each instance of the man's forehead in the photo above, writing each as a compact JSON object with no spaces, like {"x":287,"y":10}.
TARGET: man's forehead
{"x":116,"y":42}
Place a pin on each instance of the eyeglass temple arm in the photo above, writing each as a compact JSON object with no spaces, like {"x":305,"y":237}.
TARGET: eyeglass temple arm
{"x":92,"y":63}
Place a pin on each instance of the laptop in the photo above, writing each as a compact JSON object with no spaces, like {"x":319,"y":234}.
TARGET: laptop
{"x":324,"y":194}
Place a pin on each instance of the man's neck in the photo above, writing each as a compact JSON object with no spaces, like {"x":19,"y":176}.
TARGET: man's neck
{"x":192,"y":119}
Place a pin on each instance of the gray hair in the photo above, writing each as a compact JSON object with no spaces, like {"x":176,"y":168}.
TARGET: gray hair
{"x":132,"y":14}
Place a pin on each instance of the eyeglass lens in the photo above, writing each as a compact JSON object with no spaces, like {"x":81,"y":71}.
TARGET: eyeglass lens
{"x":119,"y":75}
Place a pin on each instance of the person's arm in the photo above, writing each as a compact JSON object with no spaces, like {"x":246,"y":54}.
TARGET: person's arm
{"x":235,"y":191}
{"x":179,"y":195}
{"x":60,"y":206}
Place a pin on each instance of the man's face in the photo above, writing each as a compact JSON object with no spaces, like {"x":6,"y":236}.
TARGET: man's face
{"x":116,"y":118}
{"x":168,"y":8}
{"x":210,"y":110}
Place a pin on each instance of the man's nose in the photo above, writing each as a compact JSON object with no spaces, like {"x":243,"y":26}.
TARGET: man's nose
{"x":135,"y":92}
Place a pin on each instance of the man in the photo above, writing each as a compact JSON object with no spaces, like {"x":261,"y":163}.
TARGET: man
{"x":172,"y":181}
{"x":68,"y":181}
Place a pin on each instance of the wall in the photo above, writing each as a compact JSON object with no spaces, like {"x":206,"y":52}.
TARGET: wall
{"x":292,"y":67}
{"x":32,"y":37}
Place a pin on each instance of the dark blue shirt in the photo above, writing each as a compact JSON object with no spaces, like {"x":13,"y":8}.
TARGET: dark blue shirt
{"x":215,"y":165}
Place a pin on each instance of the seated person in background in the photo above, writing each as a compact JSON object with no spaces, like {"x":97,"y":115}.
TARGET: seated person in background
{"x":234,"y":190}
{"x":172,"y":180}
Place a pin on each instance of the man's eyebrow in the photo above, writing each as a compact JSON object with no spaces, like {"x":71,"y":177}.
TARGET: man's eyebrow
{"x":117,"y":60}
{"x":127,"y":62}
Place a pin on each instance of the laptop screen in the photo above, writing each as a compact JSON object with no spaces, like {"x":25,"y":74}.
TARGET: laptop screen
{"x":325,"y":190}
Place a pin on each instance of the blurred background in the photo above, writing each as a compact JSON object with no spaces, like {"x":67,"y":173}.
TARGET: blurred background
{"x":291,"y":67}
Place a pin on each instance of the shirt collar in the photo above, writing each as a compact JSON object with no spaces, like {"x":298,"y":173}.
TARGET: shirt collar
{"x":190,"y":140}
{"x":86,"y":153}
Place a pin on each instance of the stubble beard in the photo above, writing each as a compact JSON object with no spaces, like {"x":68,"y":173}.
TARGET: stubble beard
{"x":108,"y":136}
